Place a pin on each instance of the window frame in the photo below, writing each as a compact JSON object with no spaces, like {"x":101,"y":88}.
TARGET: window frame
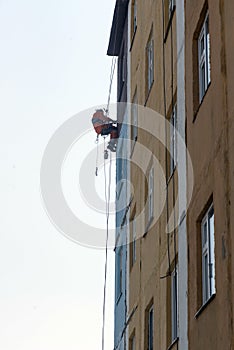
{"x":171,"y":7}
{"x":119,"y":273}
{"x":120,"y":175}
{"x":134,"y":126}
{"x":134,"y":22}
{"x":208,"y":255}
{"x":173,"y":139}
{"x":150,"y":63}
{"x":134,"y":236}
{"x":204,"y":66}
{"x":151,"y":195}
{"x":174,"y":305}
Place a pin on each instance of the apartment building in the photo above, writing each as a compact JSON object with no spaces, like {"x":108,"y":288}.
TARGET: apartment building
{"x":177,"y":211}
{"x":210,"y":121}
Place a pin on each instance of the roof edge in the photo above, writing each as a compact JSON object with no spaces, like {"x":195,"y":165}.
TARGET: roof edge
{"x":117,"y":28}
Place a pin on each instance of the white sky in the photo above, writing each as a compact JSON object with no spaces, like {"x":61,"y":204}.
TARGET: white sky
{"x":53,"y":64}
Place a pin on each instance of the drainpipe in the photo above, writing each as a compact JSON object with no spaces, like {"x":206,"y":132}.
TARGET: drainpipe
{"x":182,"y":229}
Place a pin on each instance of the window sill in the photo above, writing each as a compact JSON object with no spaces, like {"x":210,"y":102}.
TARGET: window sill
{"x":197,"y":111}
{"x":169,"y":25}
{"x":133,"y":39}
{"x":204,"y":306}
{"x":175,"y":341}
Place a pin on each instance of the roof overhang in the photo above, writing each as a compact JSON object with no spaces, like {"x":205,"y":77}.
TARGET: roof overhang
{"x":116,"y":35}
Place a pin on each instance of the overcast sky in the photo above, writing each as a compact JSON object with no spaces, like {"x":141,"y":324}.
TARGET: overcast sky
{"x":53,"y":64}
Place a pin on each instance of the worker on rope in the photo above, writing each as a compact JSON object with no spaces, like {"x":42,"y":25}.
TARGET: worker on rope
{"x":103,"y":125}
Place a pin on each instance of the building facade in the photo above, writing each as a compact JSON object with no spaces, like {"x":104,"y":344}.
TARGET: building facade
{"x":210,"y":120}
{"x":175,"y":214}
{"x":153,"y":272}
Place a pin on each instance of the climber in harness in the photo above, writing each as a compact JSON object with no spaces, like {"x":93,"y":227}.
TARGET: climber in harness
{"x":103,"y":125}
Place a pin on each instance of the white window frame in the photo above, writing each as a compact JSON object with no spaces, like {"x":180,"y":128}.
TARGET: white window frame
{"x":208,"y":255}
{"x":150,"y":328}
{"x":120,"y":168}
{"x":151,"y":195}
{"x":204,"y":58}
{"x":174,"y":305}
{"x":134,"y":236}
{"x":173,"y":139}
{"x":134,"y":16}
{"x":150,"y":62}
{"x":171,"y":5}
{"x":134,"y":118}
{"x":119,"y":273}
{"x":123,"y":64}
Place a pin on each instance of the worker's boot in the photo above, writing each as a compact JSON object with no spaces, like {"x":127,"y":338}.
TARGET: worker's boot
{"x":112,"y":145}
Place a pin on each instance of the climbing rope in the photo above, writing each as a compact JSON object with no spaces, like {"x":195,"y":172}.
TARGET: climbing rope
{"x":97,"y":155}
{"x":112,"y":73}
{"x":107,"y":200}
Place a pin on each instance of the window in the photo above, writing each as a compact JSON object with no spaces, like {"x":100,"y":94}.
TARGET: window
{"x":119,"y":271}
{"x":133,"y":241}
{"x":174,"y":305}
{"x":150,"y":63}
{"x":134,"y":125}
{"x":208,"y":255}
{"x":122,"y":69}
{"x":151,"y":195}
{"x":133,"y":237}
{"x":150,"y":328}
{"x":173,"y":150}
{"x":171,"y":6}
{"x":120,"y":167}
{"x":204,"y":58}
{"x":134,"y":17}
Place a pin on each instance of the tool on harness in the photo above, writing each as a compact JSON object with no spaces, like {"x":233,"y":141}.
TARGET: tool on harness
{"x":106,"y":154}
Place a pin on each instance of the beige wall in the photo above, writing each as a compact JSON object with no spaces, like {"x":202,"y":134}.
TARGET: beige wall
{"x":210,"y":143}
{"x":145,"y":283}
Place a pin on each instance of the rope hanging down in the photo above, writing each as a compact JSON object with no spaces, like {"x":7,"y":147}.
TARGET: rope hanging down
{"x":107,"y":199}
{"x":112,"y":73}
{"x":97,"y":155}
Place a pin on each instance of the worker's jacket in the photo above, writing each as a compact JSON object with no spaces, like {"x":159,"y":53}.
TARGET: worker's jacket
{"x":100,"y":121}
